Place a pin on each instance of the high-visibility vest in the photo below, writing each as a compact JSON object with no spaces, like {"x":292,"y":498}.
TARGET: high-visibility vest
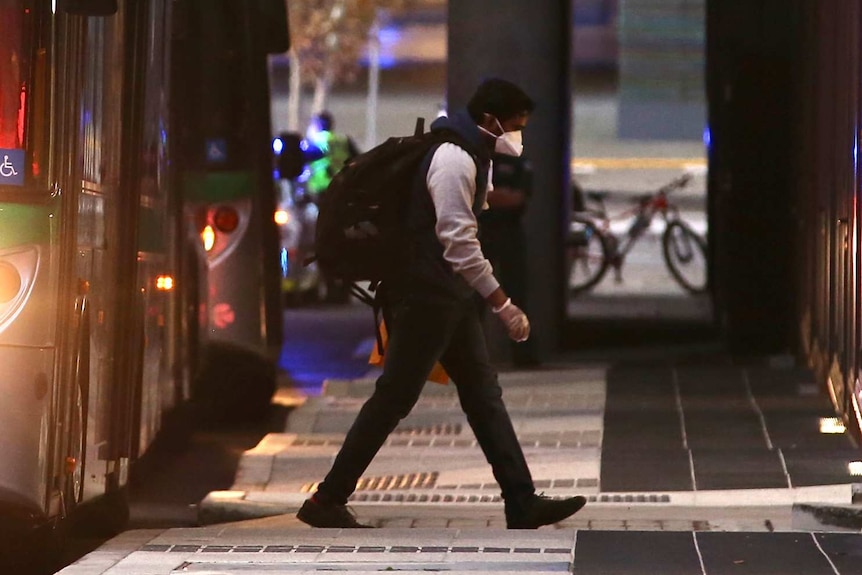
{"x":336,"y":149}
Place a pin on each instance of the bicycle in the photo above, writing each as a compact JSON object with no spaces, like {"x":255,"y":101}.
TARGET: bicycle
{"x":592,"y":248}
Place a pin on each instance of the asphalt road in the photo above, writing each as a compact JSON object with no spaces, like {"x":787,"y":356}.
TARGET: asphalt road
{"x":177,"y":473}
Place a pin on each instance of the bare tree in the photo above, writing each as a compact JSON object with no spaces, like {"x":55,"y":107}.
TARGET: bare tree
{"x":328,"y":38}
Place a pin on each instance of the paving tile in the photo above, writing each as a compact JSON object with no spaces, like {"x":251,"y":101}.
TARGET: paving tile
{"x":603,"y":552}
{"x":758,"y":553}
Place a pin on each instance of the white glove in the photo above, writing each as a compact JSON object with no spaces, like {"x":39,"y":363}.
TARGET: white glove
{"x":515,"y":320}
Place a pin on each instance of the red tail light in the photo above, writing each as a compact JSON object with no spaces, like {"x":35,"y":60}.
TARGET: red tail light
{"x":226,"y":219}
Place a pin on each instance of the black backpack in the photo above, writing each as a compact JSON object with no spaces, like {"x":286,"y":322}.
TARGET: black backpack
{"x":361,"y":231}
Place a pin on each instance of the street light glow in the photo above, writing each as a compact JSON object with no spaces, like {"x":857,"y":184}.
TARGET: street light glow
{"x":832,"y":425}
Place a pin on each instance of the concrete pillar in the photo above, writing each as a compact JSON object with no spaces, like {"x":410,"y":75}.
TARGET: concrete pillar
{"x":528,"y":43}
{"x":754,"y":79}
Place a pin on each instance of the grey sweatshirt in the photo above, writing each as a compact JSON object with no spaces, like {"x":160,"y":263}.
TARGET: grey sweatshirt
{"x":451,"y":182}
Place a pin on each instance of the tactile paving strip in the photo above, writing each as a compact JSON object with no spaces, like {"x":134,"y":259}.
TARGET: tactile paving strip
{"x":346,"y":549}
{"x":402,"y":497}
{"x":428,"y":481}
{"x":441,"y":429}
{"x":539,"y":484}
{"x":630,"y":498}
{"x":388,"y":482}
{"x":423,"y":498}
{"x":534,"y":401}
{"x":442,"y":436}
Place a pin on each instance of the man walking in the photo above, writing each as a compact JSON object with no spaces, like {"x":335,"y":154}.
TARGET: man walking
{"x":434,"y":318}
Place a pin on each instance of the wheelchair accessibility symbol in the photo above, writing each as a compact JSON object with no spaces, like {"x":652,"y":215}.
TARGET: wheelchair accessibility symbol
{"x":7,"y":170}
{"x":12,"y":167}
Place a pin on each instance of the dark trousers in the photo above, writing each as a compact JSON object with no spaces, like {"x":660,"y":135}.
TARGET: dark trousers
{"x":424,"y":331}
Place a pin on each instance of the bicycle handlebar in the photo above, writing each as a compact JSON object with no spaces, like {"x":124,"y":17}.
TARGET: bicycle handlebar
{"x":598,"y":196}
{"x":675,"y":184}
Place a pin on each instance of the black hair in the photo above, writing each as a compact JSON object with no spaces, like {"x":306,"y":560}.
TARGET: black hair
{"x":500,"y":98}
{"x":325,"y":121}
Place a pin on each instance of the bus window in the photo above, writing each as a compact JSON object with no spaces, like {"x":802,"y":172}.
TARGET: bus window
{"x":12,"y":74}
{"x":23,"y":93}
{"x":93,"y":103}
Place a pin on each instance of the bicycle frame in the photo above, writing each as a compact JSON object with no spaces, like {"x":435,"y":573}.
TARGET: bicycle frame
{"x":641,"y":214}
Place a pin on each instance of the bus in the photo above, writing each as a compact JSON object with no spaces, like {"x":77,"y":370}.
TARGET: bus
{"x":107,"y":288}
{"x":223,"y":147}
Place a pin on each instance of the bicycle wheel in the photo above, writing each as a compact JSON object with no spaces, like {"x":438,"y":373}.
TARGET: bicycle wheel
{"x":586,"y":256}
{"x":685,"y":255}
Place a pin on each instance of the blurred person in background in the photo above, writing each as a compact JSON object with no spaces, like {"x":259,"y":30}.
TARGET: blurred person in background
{"x":336,"y":148}
{"x":504,"y":243}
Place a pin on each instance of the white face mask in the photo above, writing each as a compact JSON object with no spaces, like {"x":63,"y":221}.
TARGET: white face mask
{"x":508,"y":144}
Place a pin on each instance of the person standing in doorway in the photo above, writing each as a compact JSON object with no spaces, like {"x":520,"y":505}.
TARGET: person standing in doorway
{"x":503,"y":240}
{"x":435,"y":318}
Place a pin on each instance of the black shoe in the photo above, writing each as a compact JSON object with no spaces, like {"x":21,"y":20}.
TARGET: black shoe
{"x":538,"y":510}
{"x":328,"y":515}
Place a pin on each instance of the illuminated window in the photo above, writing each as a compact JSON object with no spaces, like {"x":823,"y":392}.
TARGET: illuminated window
{"x":13,"y":80}
{"x":24,"y":83}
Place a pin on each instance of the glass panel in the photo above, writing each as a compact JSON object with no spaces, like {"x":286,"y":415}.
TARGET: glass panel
{"x":639,"y":125}
{"x":23,"y":92}
{"x":13,"y":76}
{"x":92,"y":101}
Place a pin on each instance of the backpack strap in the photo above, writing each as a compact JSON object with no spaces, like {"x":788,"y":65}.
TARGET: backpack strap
{"x":447,"y":136}
{"x":373,"y":297}
{"x":366,"y":297}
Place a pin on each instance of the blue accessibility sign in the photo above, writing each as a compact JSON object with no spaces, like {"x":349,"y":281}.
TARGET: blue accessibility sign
{"x":11,"y":167}
{"x":216,"y":151}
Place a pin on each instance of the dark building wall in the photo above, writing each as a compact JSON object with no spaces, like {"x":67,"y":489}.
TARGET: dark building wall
{"x":754,"y":76}
{"x":828,"y":215}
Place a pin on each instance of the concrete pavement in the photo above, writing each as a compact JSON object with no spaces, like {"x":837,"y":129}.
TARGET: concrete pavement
{"x":559,"y":415}
{"x":689,"y":467}
{"x":436,"y":506}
